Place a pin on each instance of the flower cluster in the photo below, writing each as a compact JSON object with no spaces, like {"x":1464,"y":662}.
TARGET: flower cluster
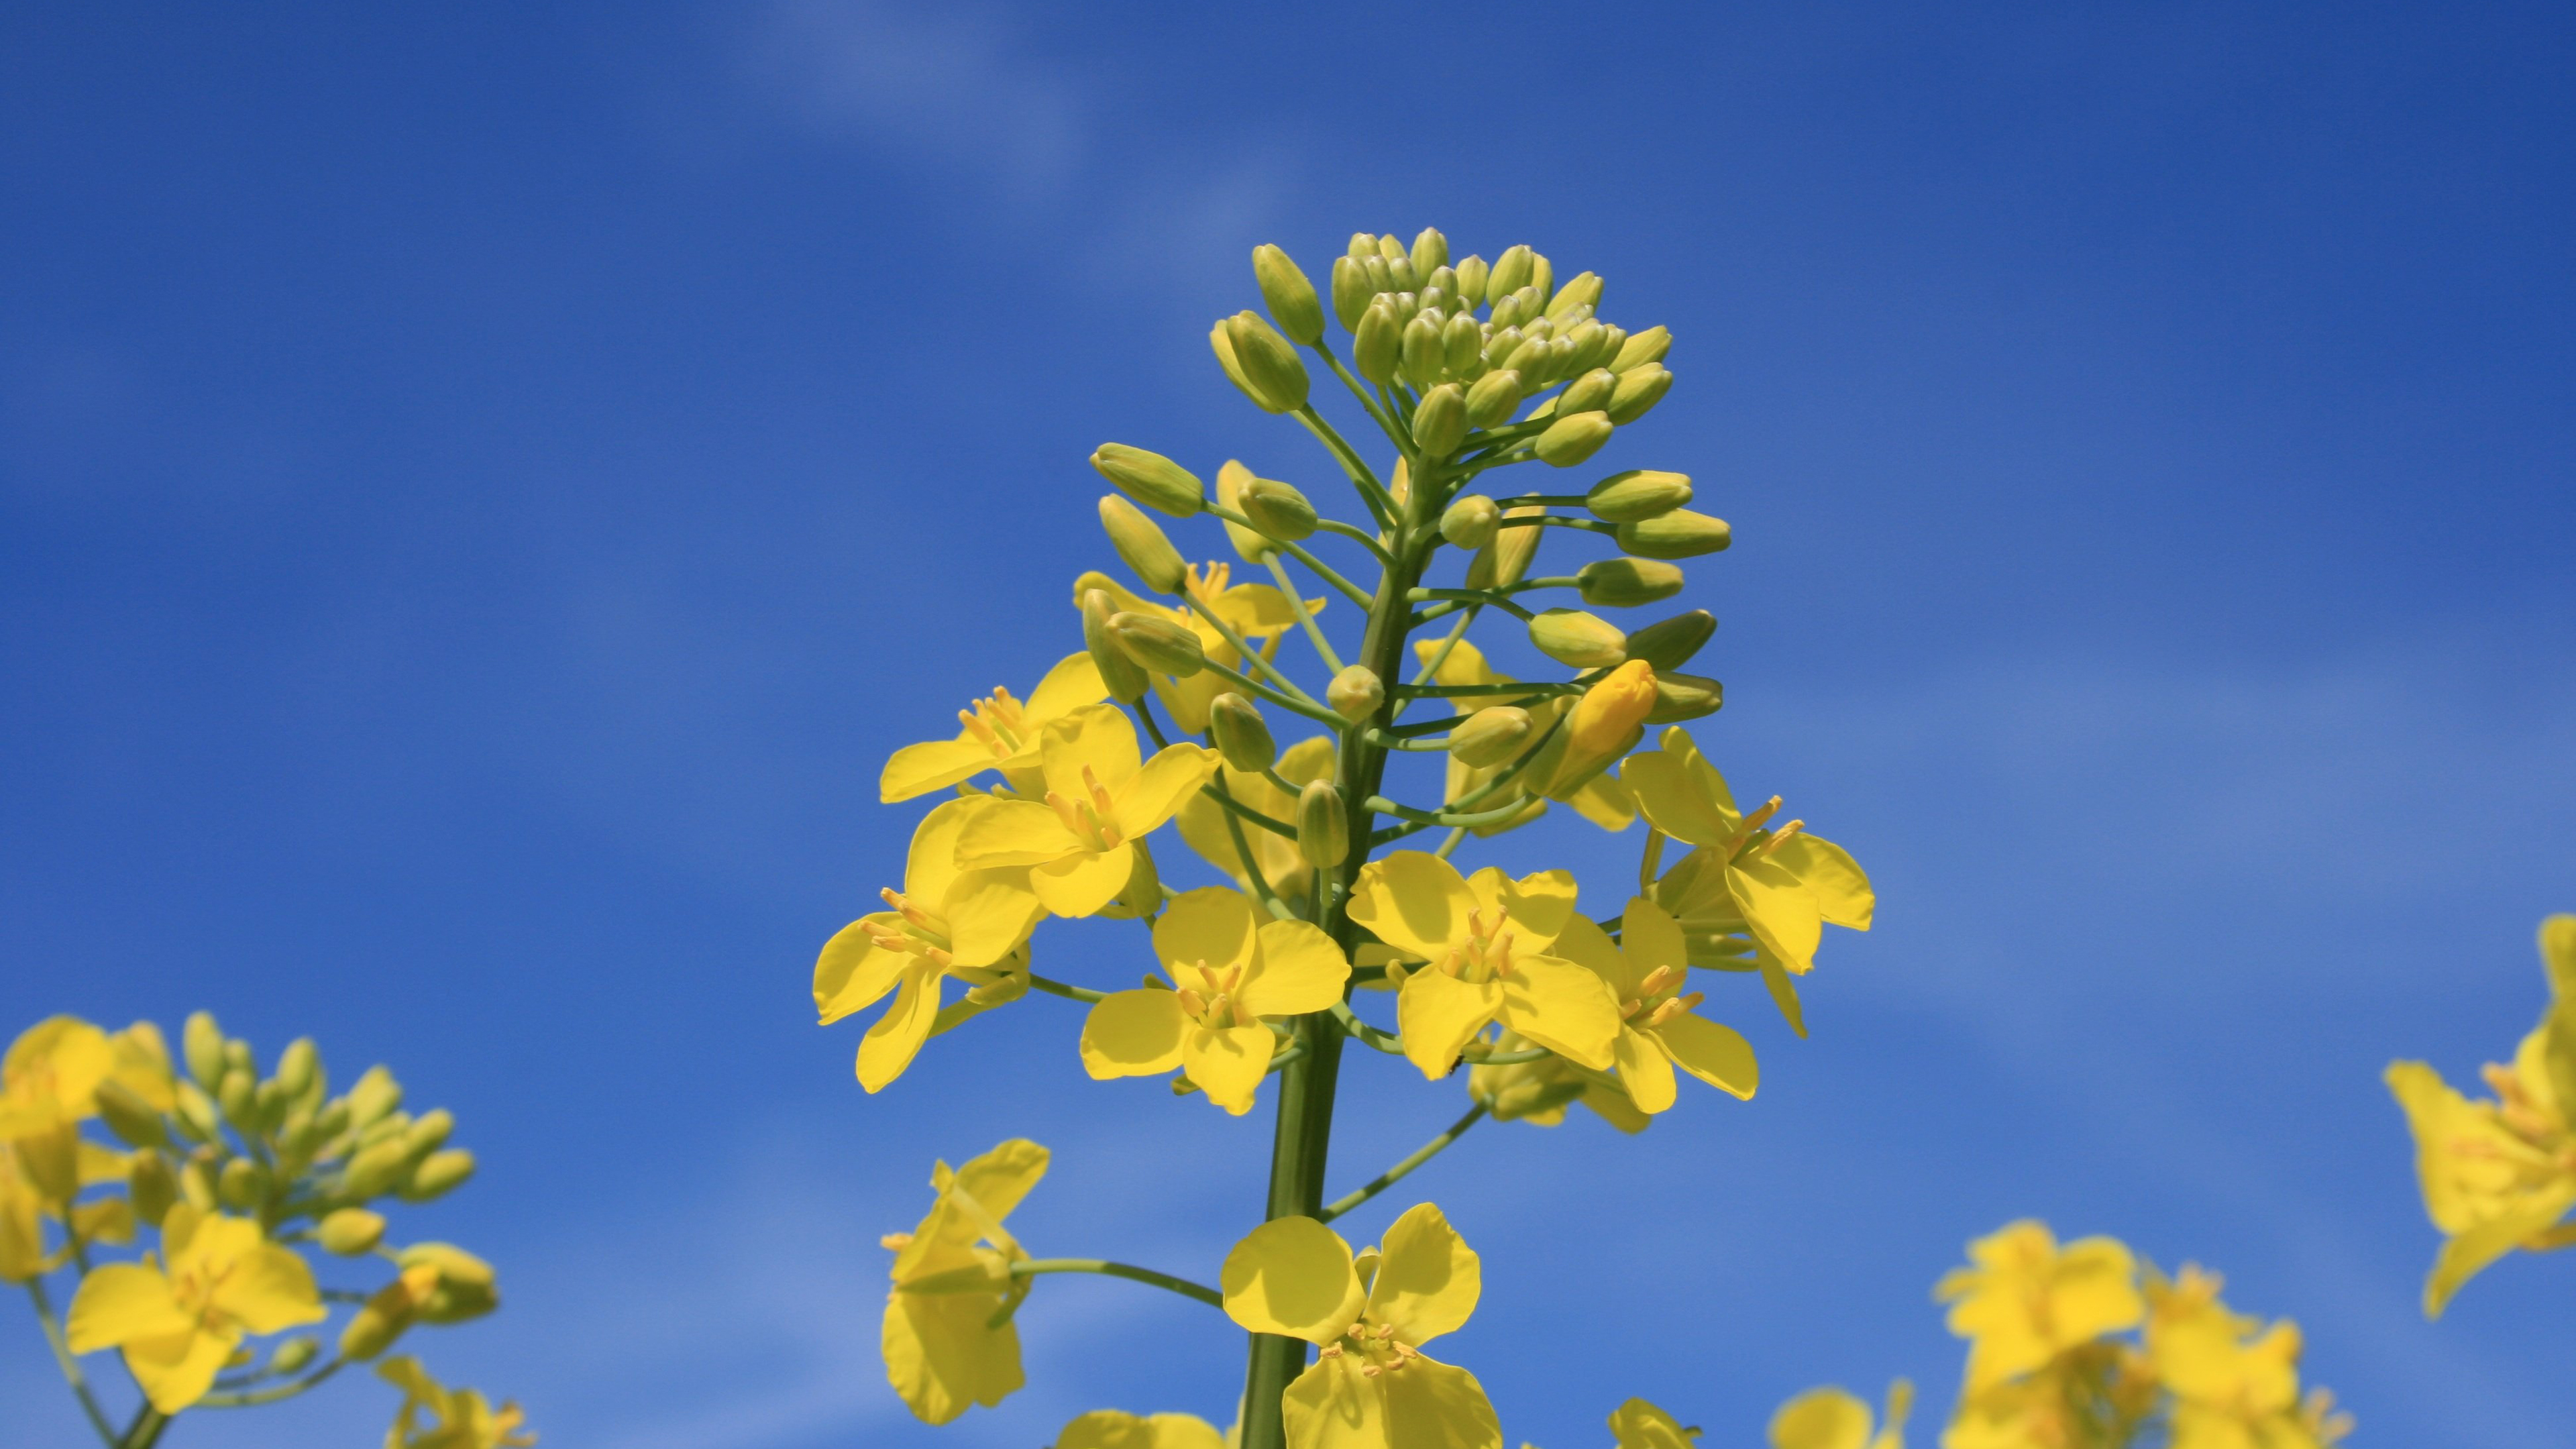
{"x":2500,"y":1173}
{"x":237,"y":1176}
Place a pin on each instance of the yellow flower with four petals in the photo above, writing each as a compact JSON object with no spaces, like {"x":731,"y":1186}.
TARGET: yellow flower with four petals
{"x":1080,"y":841}
{"x":434,"y":1416}
{"x":2023,"y":1300}
{"x":1647,"y":970}
{"x":178,"y":1320}
{"x":998,"y":733}
{"x":947,"y":1338}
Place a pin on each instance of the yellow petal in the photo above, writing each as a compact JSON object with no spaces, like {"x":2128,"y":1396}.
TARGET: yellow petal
{"x":894,"y":1039}
{"x":1097,"y":738}
{"x":930,"y":863}
{"x":1073,"y":683}
{"x":1680,"y":794}
{"x":1133,"y":1034}
{"x":1645,"y":1071}
{"x":1299,"y":970}
{"x":1414,"y":901}
{"x":1540,"y":905}
{"x":1651,"y":937}
{"x":1779,"y":910}
{"x":1156,"y":791}
{"x":1182,"y":1431}
{"x":1254,"y":611}
{"x":1082,"y":882}
{"x":1229,"y":1064}
{"x":990,"y":914}
{"x":854,"y":972}
{"x":1590,"y":947}
{"x":1784,"y":991}
{"x":1637,"y":1424}
{"x":941,"y":1358}
{"x":2472,"y":1249}
{"x":1437,"y":1014}
{"x":176,"y":1372}
{"x":1836,"y":880}
{"x":1212,"y":926}
{"x":1715,"y":1053}
{"x":270,"y":1290}
{"x":1606,"y":801}
{"x":1826,"y":1418}
{"x":1332,"y":1405}
{"x":1292,"y":1276}
{"x":1000,"y":1178}
{"x":121,"y":1302}
{"x":1110,"y":1429}
{"x":1437,"y":1406}
{"x":1563,"y":1008}
{"x":1013,"y":832}
{"x":916,"y":770}
{"x":60,"y":1061}
{"x":1428,"y":1279}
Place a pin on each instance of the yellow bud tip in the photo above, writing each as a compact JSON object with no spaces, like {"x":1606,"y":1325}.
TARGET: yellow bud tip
{"x":895,"y":1242}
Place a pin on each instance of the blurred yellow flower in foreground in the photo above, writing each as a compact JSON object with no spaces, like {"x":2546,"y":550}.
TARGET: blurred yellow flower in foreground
{"x":178,"y":1321}
{"x":455,"y":1418}
{"x":1110,"y":1429}
{"x":1833,"y":1418}
{"x":2023,"y":1300}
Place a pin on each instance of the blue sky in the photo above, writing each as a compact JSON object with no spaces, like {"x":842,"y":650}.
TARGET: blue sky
{"x":482,"y":491}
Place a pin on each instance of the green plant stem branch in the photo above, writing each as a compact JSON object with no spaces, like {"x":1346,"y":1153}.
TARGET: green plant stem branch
{"x":1261,"y":887}
{"x":1349,"y":590}
{"x":1357,"y":535}
{"x":1550,"y":520}
{"x":1386,"y":741}
{"x":1544,"y":500}
{"x":1032,"y":1267}
{"x":1255,"y":687}
{"x":1297,"y":606}
{"x":273,"y":1393}
{"x":1257,"y":658}
{"x":1424,"y":727}
{"x":1065,"y":989}
{"x":1374,"y":1038}
{"x":1495,"y":816}
{"x":1396,"y":1174}
{"x":146,"y":1429}
{"x":69,"y":1365}
{"x":1451,"y":843}
{"x":1381,"y":504}
{"x":1475,"y":596}
{"x":1490,"y":693}
{"x":1508,"y":773}
{"x":1237,"y":809}
{"x":1375,"y":414}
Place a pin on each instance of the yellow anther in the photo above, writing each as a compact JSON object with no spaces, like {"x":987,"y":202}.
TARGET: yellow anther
{"x":1630,"y":1007}
{"x":1386,"y":1330}
{"x":1066,"y":811}
{"x":1763,"y":813}
{"x":937,"y":957}
{"x":1330,"y":1350}
{"x":1657,"y":980}
{"x":1192,"y":1002}
{"x":975,"y":726}
{"x":1371,"y":1370}
{"x":1782,"y":834}
{"x":895,"y":1242}
{"x":1100,"y":800}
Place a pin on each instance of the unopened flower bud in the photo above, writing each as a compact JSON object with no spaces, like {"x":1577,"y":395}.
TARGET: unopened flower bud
{"x":1639,"y":388}
{"x":1493,"y":398}
{"x":1323,"y":826}
{"x":1572,"y":637}
{"x":1588,"y":393}
{"x":1678,"y":534}
{"x":427,"y":1133}
{"x":1681,"y":697}
{"x":1542,"y":281}
{"x":1501,"y":563}
{"x":1606,"y":723}
{"x":1529,"y":358}
{"x":1583,"y":289}
{"x":151,"y":1186}
{"x":1594,"y":344}
{"x":1422,"y":353}
{"x":1229,"y":494}
{"x":375,"y":1170}
{"x":242,"y":1184}
{"x":201,"y":1042}
{"x":1668,"y":644}
{"x":1572,"y":438}
{"x":1625,"y":583}
{"x":1461,"y":343}
{"x":1440,"y":423}
{"x":1363,"y":244}
{"x":1400,"y":270}
{"x":1351,"y":292}
{"x":1126,"y":683}
{"x":1142,"y":545}
{"x":374,"y":1094}
{"x":129,"y":1116}
{"x":238,"y":1095}
{"x":1157,"y":644}
{"x":1277,"y":509}
{"x":1491,"y":735}
{"x":350,"y":1232}
{"x":1511,"y":273}
{"x":373,"y":1329}
{"x":464,"y":1288}
{"x":1355,"y":693}
{"x":291,"y":1356}
{"x":1379,"y":343}
{"x":1430,"y":251}
{"x":1472,"y":275}
{"x":1221,"y":342}
{"x":298,"y":1067}
{"x":1150,"y":478}
{"x":439,"y":1173}
{"x":1289,"y":296}
{"x":196,"y":1115}
{"x":1470,"y":521}
{"x":1639,"y":493}
{"x":1271,"y":371}
{"x":1647,"y":346}
{"x":1242,"y":736}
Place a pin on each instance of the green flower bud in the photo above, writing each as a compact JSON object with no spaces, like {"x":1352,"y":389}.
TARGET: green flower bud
{"x":1501,"y":563}
{"x":129,"y":1116}
{"x":1379,"y":343}
{"x":1271,"y":371}
{"x":1430,"y":251}
{"x":1142,"y":545}
{"x":196,"y":1116}
{"x":1511,"y":273}
{"x":1221,"y":342}
{"x":1647,"y":346}
{"x":1248,"y":543}
{"x":242,"y":1185}
{"x":1640,"y":388}
{"x":1278,"y":509}
{"x":1150,"y":479}
{"x":1590,"y":392}
{"x":151,"y":1187}
{"x":238,"y":1058}
{"x":1289,"y":296}
{"x":1400,"y":270}
{"x":373,"y":1329}
{"x":439,"y":1173}
{"x":1462,"y":343}
{"x":428,"y":1133}
{"x":1323,"y":826}
{"x":1157,"y":644}
{"x":1351,"y":292}
{"x":375,"y":1170}
{"x":292,"y":1355}
{"x":1472,"y":275}
{"x":1678,"y":534}
{"x":351,"y":1232}
{"x":268,"y":1103}
{"x":1470,"y":521}
{"x":298,"y":1066}
{"x":201,"y":1042}
{"x":1380,"y":280}
{"x":1242,"y":736}
{"x":1668,"y":644}
{"x":1684,"y":696}
{"x":1493,"y":398}
{"x":1572,"y":438}
{"x":1582,"y":290}
{"x":238,"y":1095}
{"x":1542,"y":282}
{"x":1445,"y":277}
{"x":374,"y":1095}
{"x":1355,"y":693}
{"x":1585,"y":641}
{"x":1491,"y":735}
{"x":1126,"y":683}
{"x":1624,"y":583}
{"x":1528,"y":357}
{"x":1594,"y":344}
{"x":1440,"y":423}
{"x":466,"y":1288}
{"x":1140,"y":897}
{"x":1421,"y":352}
{"x":1363,"y":244}
{"x":1637,"y":495}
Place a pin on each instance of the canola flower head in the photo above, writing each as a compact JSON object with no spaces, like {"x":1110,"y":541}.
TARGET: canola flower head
{"x":2023,"y":1299}
{"x":1834,"y":1418}
{"x":177,"y":1320}
{"x":1226,"y":975}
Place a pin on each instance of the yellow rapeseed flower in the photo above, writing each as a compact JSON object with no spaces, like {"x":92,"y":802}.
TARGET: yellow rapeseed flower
{"x":2235,"y":1382}
{"x":1101,"y":801}
{"x":434,"y":1416}
{"x":1257,"y":613}
{"x":49,"y":1085}
{"x":2022,"y":1300}
{"x":1605,"y":799}
{"x":1229,"y":972}
{"x":945,"y":922}
{"x":1538,"y":1091}
{"x":998,"y":733}
{"x":1836,"y":1418}
{"x":1110,"y":1429}
{"x":1647,"y":971}
{"x":2501,"y":1174}
{"x":1371,"y":1387}
{"x":22,"y":1224}
{"x":1484,"y":947}
{"x":179,"y":1321}
{"x":944,"y":1349}
{"x":1204,"y":823}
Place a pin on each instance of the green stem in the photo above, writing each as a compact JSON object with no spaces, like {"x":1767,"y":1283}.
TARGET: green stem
{"x":1066,"y":989}
{"x":69,"y":1365}
{"x":1376,"y":415}
{"x":1395,"y":1174}
{"x":1550,"y":520}
{"x":1495,"y":816}
{"x":1381,"y":503}
{"x":1031,"y":1267}
{"x":1476,"y":596}
{"x":1451,"y":843}
{"x":271,"y":1394}
{"x":1297,"y":606}
{"x":146,"y":1429}
{"x":1350,"y":591}
{"x":1237,"y":809}
{"x":1255,"y":687}
{"x":1358,"y":536}
{"x":1243,"y":850}
{"x":1252,"y":656}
